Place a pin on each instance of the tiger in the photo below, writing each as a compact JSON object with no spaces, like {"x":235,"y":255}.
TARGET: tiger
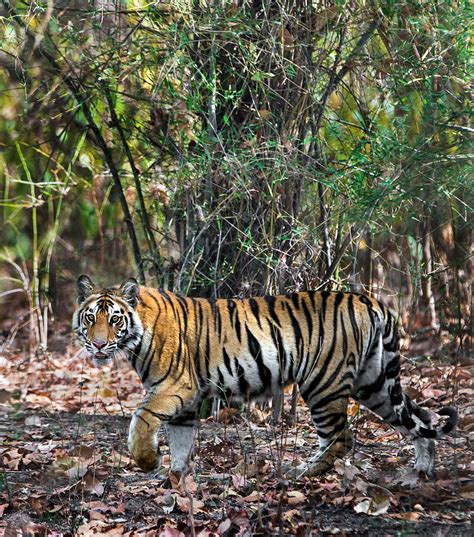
{"x":332,"y":345}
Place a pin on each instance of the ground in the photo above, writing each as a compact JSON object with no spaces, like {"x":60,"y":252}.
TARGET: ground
{"x":66,"y":470}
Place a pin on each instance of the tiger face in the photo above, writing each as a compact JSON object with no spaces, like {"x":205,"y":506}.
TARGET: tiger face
{"x":106,"y":321}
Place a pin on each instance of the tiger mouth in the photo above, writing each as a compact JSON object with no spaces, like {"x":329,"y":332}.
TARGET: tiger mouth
{"x":101,"y":358}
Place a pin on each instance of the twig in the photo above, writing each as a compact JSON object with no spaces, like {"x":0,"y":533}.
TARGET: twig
{"x":7,"y":485}
{"x":191,"y":505}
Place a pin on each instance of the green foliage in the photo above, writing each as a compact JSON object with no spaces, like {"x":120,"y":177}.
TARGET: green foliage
{"x":239,"y":132}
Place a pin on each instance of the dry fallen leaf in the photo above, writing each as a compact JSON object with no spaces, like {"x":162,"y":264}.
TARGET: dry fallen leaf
{"x":239,"y":480}
{"x":33,"y":421}
{"x":252,"y":497}
{"x":227,"y":414}
{"x":106,"y":392}
{"x":3,"y":507}
{"x":79,"y":470}
{"x":377,"y":505}
{"x":167,"y":502}
{"x":119,"y":459}
{"x":224,"y":526}
{"x":171,"y":532}
{"x":185,"y":504}
{"x":353,"y":409}
{"x":91,"y":484}
{"x":295,"y":497}
{"x":83,"y":452}
{"x":5,"y":396}
{"x":411,"y":516}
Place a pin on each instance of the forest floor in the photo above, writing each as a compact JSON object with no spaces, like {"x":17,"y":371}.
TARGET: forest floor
{"x":66,"y":470}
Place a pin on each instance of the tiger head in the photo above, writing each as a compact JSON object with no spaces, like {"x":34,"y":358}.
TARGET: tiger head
{"x":106,"y":321}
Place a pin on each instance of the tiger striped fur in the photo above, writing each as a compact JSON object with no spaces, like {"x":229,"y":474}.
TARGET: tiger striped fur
{"x":334,"y":345}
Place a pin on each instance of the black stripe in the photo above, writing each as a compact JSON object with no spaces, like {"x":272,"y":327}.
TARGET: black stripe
{"x":197,"y":338}
{"x":221,"y":378}
{"x":164,"y":377}
{"x":312,"y":299}
{"x":159,"y":415}
{"x":344,"y":336}
{"x":207,"y":352}
{"x":365,"y":300}
{"x":184,"y":417}
{"x":396,"y":394}
{"x":324,"y":302}
{"x":145,"y":363}
{"x":270,"y":300}
{"x":342,"y":392}
{"x":227,"y":362}
{"x":237,"y":326}
{"x":334,"y":431}
{"x":388,"y":322}
{"x":322,"y":371}
{"x":243,"y":384}
{"x":393,"y":368}
{"x":332,"y":378}
{"x":330,"y":419}
{"x":309,"y":321}
{"x":136,"y":352}
{"x":218,"y":318}
{"x":297,"y":333}
{"x":281,"y":353}
{"x":184,"y":308}
{"x":295,"y":300}
{"x":366,"y":392}
{"x":428,"y":433}
{"x":355,"y":327}
{"x":407,"y":420}
{"x":255,"y":310}
{"x":256,"y":351}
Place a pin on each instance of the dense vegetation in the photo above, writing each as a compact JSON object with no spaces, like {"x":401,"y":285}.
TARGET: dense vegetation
{"x":233,"y":148}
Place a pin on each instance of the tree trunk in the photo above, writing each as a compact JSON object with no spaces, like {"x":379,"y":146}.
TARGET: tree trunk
{"x":428,"y":299}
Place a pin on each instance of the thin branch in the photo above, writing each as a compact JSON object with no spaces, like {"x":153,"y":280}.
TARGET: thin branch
{"x":332,"y":268}
{"x":136,"y":174}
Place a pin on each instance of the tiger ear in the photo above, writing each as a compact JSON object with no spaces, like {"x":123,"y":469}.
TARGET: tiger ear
{"x":130,"y":291}
{"x":85,"y":288}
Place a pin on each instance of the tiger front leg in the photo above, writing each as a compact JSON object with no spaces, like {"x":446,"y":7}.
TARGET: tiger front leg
{"x":143,"y":441}
{"x":156,"y":408}
{"x":181,"y":432}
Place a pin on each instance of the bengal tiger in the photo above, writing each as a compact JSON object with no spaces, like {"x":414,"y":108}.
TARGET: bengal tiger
{"x":333,"y":345}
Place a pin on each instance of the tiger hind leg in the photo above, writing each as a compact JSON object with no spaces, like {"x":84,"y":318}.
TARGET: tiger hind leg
{"x":378,"y":388}
{"x":411,"y":420}
{"x":383,"y":395}
{"x":329,"y":414}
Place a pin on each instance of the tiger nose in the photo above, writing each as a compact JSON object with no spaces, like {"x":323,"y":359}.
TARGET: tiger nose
{"x":99,"y":344}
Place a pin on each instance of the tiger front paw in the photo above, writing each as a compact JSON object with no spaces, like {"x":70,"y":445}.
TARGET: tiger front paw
{"x":143,"y":446}
{"x":146,"y":459}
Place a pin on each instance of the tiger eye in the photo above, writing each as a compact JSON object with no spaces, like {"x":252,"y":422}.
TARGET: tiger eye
{"x":114,"y":319}
{"x":90,"y":318}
